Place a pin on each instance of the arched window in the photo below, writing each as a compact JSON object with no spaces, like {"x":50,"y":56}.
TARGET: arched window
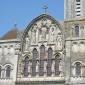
{"x":34,"y":61}
{"x":76,"y":31}
{"x":0,"y":71}
{"x":49,"y":64}
{"x":42,"y":56}
{"x":26,"y":63}
{"x":8,"y":71}
{"x":57,"y":61}
{"x":78,"y":68}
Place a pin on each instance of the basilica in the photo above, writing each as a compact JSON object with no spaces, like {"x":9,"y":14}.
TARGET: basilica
{"x":47,"y":51}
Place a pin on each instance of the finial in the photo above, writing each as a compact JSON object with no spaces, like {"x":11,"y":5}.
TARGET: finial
{"x":45,"y":8}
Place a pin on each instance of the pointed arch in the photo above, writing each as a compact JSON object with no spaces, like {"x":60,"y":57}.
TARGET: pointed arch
{"x":35,"y":53}
{"x":77,"y":31}
{"x":26,"y":63}
{"x":34,"y":61}
{"x":78,"y":69}
{"x":8,"y":71}
{"x":42,"y":56}
{"x":42,"y":52}
{"x":57,"y":61}
{"x":49,"y":62}
{"x":50,"y":53}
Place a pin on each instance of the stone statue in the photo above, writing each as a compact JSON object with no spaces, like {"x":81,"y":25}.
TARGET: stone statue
{"x":34,"y":34}
{"x":43,"y":33}
{"x":27,"y":43}
{"x":52,"y":35}
{"x":44,"y":22}
{"x":59,"y":42}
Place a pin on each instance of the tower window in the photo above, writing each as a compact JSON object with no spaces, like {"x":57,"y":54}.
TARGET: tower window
{"x":77,"y":31}
{"x":8,"y":71}
{"x":78,"y":68}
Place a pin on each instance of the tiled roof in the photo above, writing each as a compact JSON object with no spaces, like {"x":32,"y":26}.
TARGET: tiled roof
{"x":10,"y":35}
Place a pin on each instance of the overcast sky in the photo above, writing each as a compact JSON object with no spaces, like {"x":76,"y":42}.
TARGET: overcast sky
{"x":21,"y":12}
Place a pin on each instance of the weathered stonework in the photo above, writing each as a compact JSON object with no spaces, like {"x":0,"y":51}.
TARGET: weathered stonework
{"x":47,"y":52}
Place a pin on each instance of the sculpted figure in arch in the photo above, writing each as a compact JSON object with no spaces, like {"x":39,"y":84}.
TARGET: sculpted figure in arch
{"x":52,"y":34}
{"x":42,"y":33}
{"x":27,"y":43}
{"x":44,"y":29}
{"x":34,"y":31}
{"x":59,"y":42}
{"x":44,"y":22}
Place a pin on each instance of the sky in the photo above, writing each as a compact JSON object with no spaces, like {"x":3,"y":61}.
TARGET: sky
{"x":22,"y":12}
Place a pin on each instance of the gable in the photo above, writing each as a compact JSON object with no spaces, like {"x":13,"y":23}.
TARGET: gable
{"x":42,"y":29}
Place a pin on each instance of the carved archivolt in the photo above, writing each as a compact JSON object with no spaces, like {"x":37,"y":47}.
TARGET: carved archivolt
{"x":40,"y":40}
{"x":44,"y":29}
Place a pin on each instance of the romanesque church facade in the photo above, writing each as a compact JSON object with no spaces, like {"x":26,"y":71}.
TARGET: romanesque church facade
{"x":47,"y":51}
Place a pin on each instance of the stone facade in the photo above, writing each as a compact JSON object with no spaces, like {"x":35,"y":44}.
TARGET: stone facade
{"x":47,"y":52}
{"x":8,"y":60}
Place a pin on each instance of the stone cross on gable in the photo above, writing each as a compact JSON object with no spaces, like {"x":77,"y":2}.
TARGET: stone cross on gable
{"x":45,"y":8}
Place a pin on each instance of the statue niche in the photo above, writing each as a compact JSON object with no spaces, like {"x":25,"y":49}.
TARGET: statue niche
{"x":27,"y":43}
{"x":42,"y":33}
{"x":43,"y":30}
{"x":34,"y":34}
{"x":52,"y":34}
{"x":59,"y":43}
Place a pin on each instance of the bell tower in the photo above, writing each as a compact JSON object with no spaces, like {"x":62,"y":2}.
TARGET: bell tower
{"x":74,"y":9}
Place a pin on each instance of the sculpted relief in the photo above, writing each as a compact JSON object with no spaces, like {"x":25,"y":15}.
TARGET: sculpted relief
{"x":44,"y":30}
{"x":59,"y":42}
{"x":27,"y":43}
